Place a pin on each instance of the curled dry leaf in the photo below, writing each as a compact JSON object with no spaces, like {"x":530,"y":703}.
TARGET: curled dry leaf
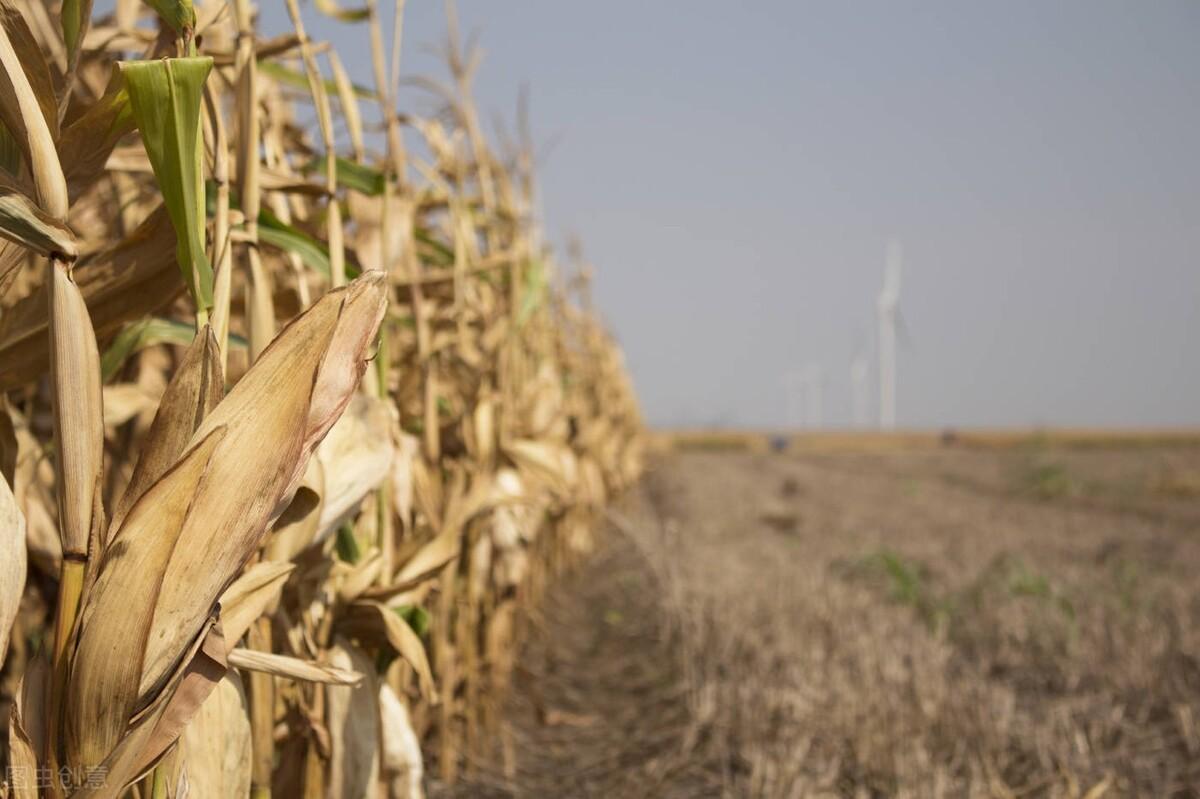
{"x":378,"y":621}
{"x":23,"y":222}
{"x":90,"y":139}
{"x":251,"y":595}
{"x":293,"y":668}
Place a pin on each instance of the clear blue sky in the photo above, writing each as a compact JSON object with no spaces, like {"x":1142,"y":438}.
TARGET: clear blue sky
{"x":735,"y":171}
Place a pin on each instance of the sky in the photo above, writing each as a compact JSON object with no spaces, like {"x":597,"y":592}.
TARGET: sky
{"x":735,"y":172}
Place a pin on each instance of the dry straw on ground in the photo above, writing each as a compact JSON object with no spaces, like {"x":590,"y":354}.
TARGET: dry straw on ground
{"x":289,"y":427}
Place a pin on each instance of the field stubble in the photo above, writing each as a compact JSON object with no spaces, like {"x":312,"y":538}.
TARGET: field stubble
{"x":916,"y":623}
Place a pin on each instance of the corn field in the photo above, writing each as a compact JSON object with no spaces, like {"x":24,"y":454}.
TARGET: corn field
{"x":290,"y":427}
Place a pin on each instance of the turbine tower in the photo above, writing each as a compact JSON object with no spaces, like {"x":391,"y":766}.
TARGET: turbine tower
{"x":885,"y":308}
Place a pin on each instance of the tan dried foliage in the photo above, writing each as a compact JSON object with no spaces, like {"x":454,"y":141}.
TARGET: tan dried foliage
{"x":273,"y":550}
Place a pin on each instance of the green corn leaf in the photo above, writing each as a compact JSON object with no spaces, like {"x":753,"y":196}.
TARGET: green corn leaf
{"x":352,"y":175}
{"x":146,"y":333}
{"x":10,"y":152}
{"x":179,"y":14}
{"x":347,"y":544}
{"x":76,"y":16}
{"x":299,"y":80}
{"x":331,"y":8}
{"x":417,"y":617}
{"x":535,"y":291}
{"x":165,"y":96}
{"x":432,"y":250}
{"x":277,"y":233}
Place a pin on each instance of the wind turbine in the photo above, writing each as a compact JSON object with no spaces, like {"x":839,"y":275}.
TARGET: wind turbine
{"x":859,"y":367}
{"x":804,"y":389}
{"x":885,"y":309}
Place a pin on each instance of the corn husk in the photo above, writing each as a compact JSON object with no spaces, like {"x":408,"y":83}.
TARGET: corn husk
{"x":215,"y":746}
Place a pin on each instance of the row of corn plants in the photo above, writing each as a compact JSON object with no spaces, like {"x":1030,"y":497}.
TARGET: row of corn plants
{"x":294,"y":416}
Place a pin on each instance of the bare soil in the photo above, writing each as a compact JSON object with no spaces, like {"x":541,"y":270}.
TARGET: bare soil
{"x":943,"y":622}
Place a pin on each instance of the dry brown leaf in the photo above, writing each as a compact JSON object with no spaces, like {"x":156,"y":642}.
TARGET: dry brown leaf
{"x":28,"y":108}
{"x":251,"y":594}
{"x":26,"y":729}
{"x":382,"y":622}
{"x":292,"y":668}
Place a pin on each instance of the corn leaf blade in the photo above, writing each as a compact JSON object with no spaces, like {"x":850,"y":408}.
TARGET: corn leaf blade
{"x":165,"y":96}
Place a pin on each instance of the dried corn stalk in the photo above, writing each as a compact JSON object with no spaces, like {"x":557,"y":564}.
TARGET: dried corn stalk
{"x":289,"y":546}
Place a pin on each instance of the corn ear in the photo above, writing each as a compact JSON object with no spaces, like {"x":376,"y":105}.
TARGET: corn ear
{"x":276,"y":415}
{"x":118,"y":617}
{"x":195,"y":389}
{"x":78,"y":413}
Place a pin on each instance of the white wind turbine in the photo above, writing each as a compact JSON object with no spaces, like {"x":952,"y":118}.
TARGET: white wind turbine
{"x":885,"y":308}
{"x":804,"y":390}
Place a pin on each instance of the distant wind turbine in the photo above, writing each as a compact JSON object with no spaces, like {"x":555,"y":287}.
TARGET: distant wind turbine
{"x":804,"y":390}
{"x":885,"y":308}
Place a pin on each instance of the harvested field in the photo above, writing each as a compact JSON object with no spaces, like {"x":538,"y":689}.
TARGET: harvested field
{"x":938,"y":622}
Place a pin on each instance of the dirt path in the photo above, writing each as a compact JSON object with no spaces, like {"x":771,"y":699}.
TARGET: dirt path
{"x":598,"y":706}
{"x":914,"y":624}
